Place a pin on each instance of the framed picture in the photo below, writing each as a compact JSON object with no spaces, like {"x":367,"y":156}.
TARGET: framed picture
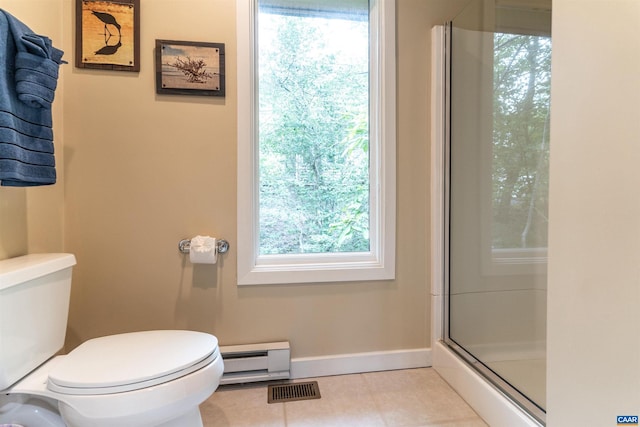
{"x":108,"y":34}
{"x":190,"y":68}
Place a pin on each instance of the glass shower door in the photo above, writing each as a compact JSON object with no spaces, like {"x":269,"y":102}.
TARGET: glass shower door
{"x":499,"y":100}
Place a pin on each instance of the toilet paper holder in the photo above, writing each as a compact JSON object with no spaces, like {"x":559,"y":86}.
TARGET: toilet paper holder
{"x":184,"y":246}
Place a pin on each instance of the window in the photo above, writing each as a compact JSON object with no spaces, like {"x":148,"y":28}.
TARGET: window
{"x":316,"y":141}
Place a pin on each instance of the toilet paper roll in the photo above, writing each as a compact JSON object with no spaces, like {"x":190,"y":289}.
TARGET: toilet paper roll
{"x":203,"y":250}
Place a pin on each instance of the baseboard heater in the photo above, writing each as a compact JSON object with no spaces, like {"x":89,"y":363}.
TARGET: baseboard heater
{"x":255,"y":362}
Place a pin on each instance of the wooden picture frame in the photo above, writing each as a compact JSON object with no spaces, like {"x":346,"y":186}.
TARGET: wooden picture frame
{"x":108,"y":34}
{"x":190,"y":68}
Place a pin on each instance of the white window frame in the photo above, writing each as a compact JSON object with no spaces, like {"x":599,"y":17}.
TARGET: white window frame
{"x":379,"y":262}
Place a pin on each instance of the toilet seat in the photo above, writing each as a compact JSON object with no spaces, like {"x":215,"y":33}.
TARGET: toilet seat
{"x":172,"y":402}
{"x":132,"y":361}
{"x":145,"y":407}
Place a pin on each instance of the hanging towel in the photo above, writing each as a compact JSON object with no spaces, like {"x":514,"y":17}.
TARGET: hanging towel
{"x":36,"y":66}
{"x":37,"y":70}
{"x":28,"y":79}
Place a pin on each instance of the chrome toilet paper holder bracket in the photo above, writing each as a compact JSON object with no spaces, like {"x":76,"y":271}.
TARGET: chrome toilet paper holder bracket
{"x":184,"y":246}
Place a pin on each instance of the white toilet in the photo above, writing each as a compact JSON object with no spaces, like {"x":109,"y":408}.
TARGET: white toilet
{"x":139,"y":379}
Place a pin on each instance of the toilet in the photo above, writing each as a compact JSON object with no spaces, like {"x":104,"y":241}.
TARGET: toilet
{"x":138,"y":379}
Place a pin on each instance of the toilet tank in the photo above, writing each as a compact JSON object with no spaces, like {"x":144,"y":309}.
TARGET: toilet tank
{"x":34,"y":305}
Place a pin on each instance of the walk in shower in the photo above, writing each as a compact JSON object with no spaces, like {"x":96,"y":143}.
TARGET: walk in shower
{"x":496,"y":194}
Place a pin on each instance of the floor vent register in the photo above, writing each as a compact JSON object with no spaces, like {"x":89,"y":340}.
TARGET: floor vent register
{"x":291,"y":392}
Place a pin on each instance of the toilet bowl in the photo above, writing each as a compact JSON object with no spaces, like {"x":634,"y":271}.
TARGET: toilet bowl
{"x":154,"y":378}
{"x":22,"y":410}
{"x":137,"y":379}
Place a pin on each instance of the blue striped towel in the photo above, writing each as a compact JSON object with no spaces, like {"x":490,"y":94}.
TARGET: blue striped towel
{"x":28,"y":79}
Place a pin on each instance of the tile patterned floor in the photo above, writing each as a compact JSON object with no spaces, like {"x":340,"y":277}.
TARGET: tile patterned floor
{"x":413,"y":397}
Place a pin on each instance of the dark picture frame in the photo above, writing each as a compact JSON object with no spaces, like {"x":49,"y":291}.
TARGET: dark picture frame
{"x":108,"y":34}
{"x":190,"y":68}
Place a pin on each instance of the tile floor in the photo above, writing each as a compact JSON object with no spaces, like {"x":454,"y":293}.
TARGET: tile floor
{"x":412,"y":397}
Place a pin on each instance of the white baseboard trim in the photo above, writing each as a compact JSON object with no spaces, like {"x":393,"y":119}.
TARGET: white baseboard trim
{"x":341,"y":364}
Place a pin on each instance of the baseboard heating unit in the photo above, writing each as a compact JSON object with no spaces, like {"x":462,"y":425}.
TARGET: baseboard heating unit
{"x":255,"y":362}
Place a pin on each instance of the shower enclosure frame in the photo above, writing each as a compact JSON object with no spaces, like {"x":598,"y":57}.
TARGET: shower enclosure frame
{"x":496,"y":401}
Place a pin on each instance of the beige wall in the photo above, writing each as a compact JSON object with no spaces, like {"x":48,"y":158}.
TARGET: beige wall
{"x":144,"y":171}
{"x":31,"y":220}
{"x":594,"y":236}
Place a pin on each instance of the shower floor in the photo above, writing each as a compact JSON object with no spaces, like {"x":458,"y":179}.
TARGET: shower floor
{"x":527,"y":375}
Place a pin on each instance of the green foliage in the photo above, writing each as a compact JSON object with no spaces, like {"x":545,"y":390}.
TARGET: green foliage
{"x":313,"y":136}
{"x":522,"y":80}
